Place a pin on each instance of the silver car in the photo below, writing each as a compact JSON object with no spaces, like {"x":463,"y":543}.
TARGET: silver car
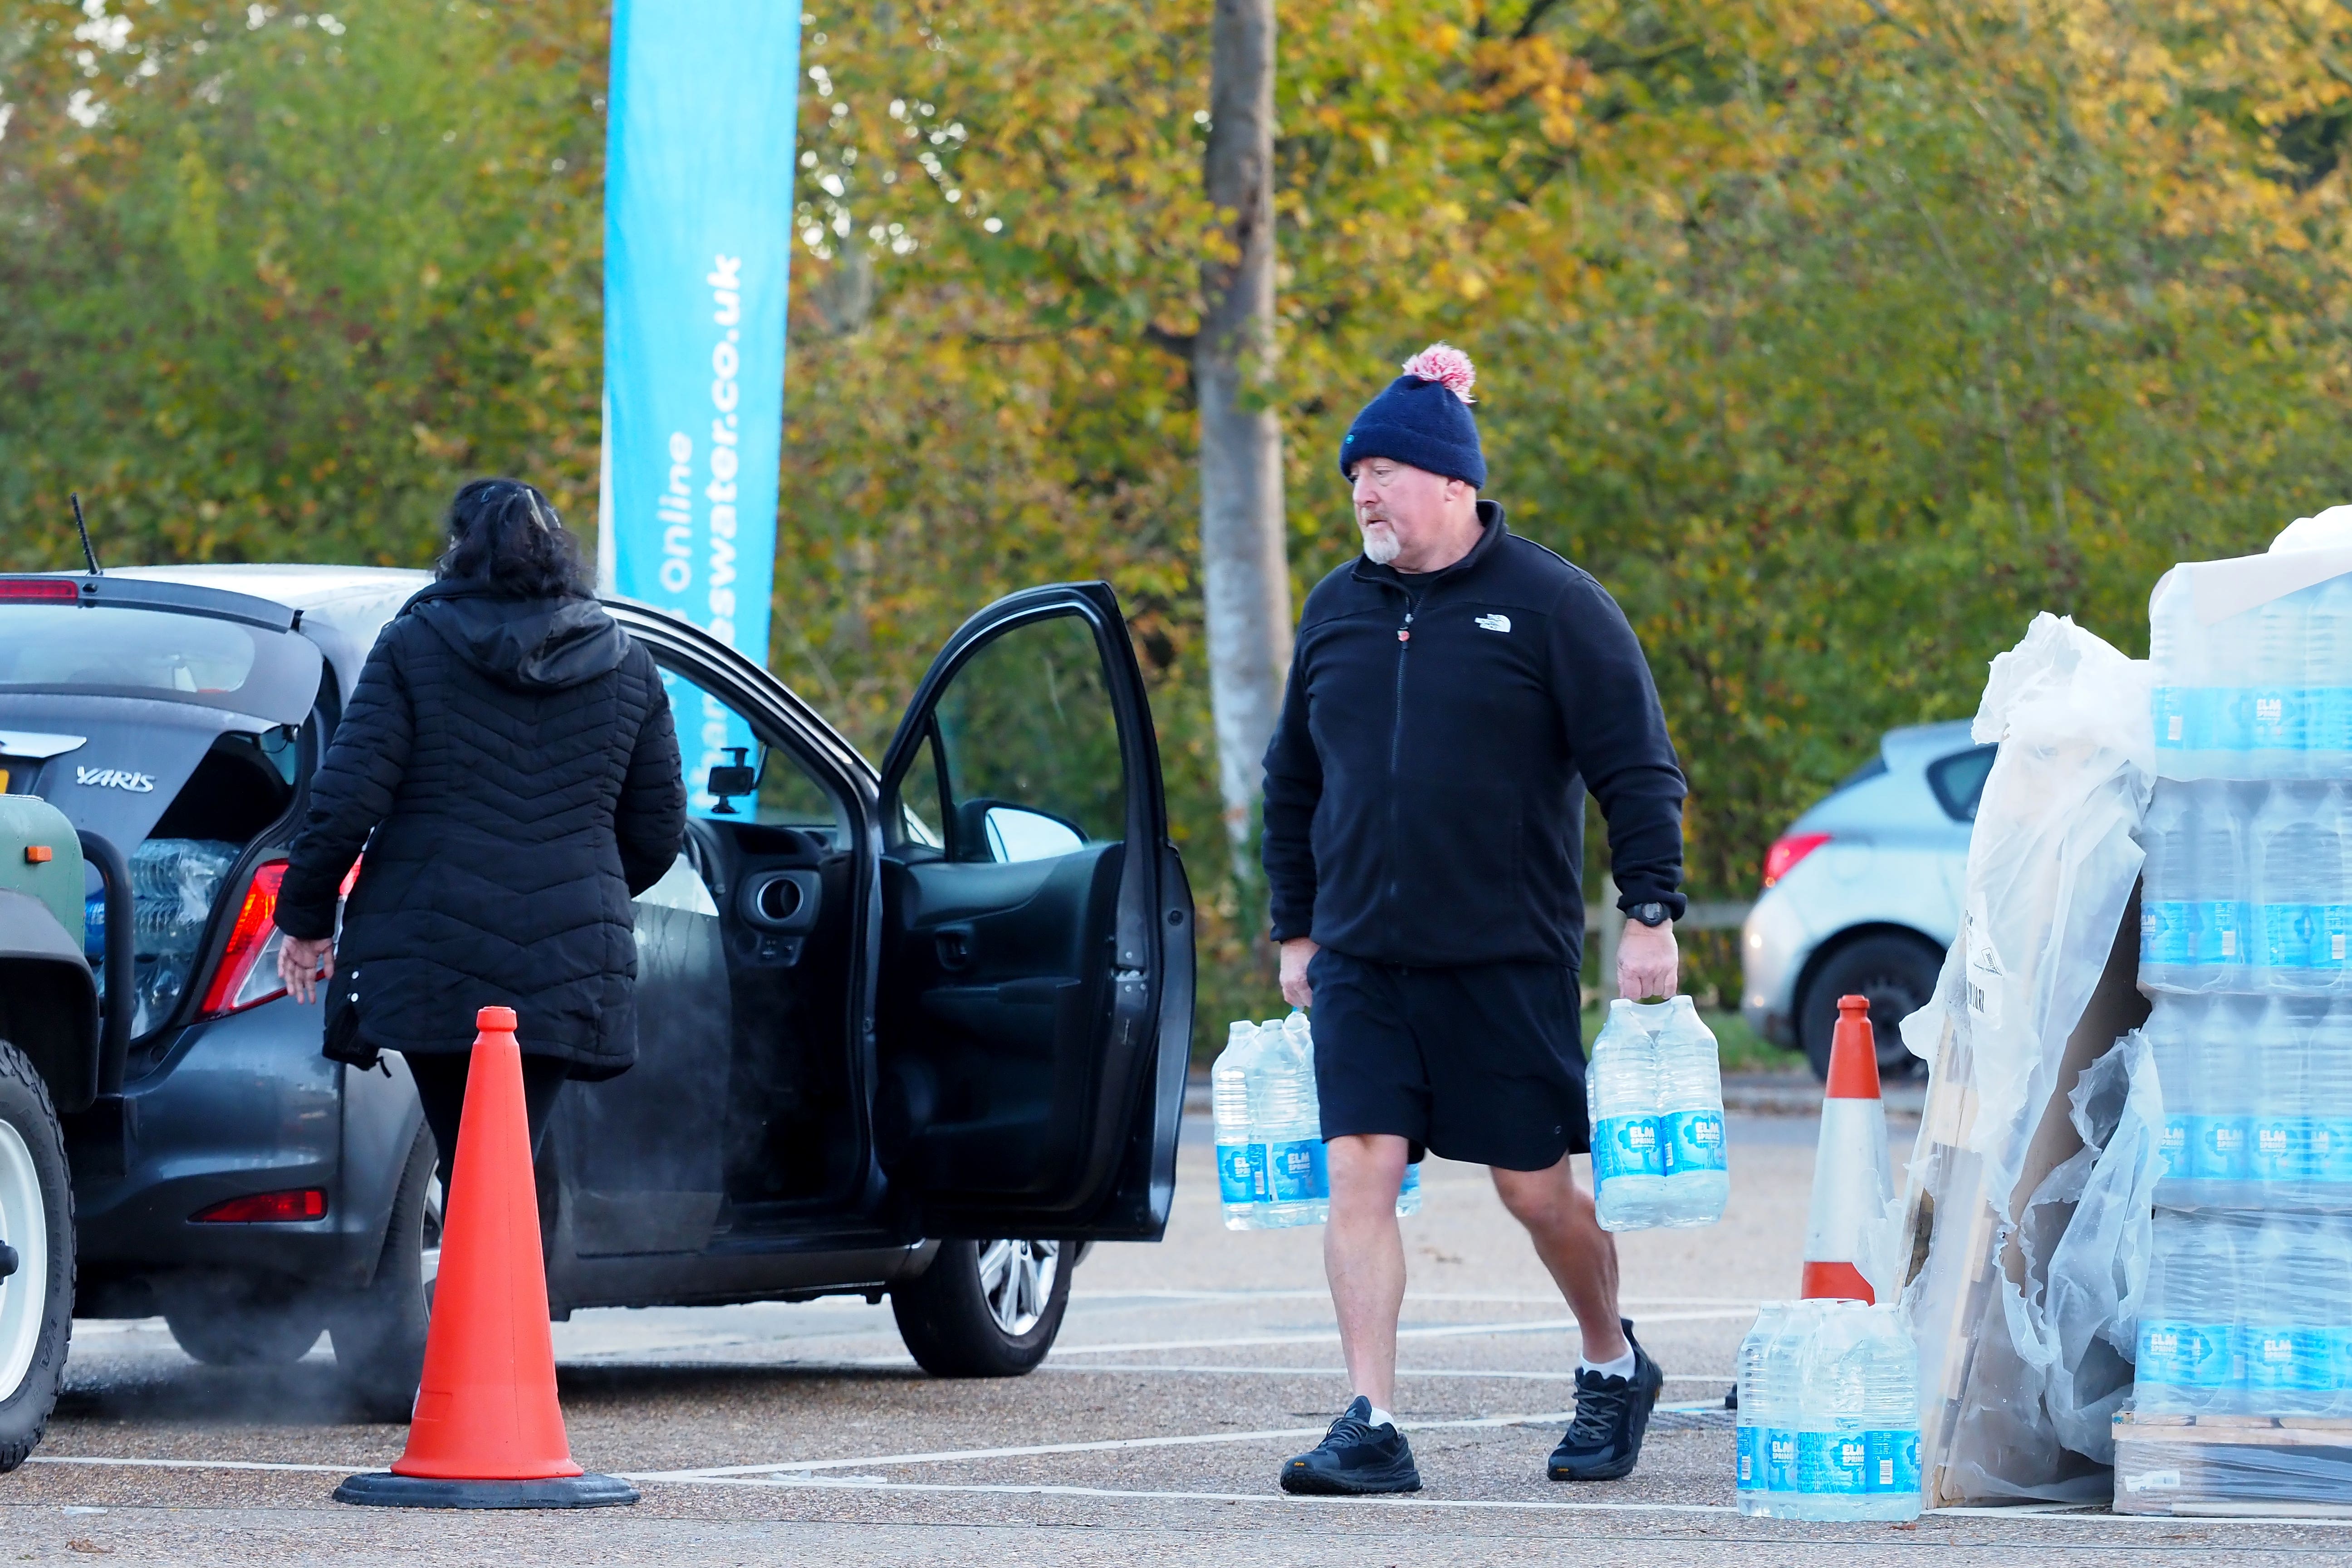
{"x":1862,"y":895}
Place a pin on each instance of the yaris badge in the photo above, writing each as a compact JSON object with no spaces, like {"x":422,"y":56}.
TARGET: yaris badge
{"x":114,"y":778}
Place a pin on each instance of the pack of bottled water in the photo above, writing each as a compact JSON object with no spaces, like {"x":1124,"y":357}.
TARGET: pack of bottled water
{"x":2245,"y":890}
{"x":1653,"y":1091}
{"x":2263,"y":694}
{"x":1271,"y":1170}
{"x":1829,"y":1413}
{"x":2257,"y":1101}
{"x":2247,"y":1313}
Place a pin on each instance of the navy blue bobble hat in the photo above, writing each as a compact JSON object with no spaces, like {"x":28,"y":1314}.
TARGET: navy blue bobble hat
{"x":1423,"y":418}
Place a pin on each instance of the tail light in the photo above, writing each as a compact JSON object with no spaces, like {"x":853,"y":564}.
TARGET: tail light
{"x":1787,"y":851}
{"x":39,"y":591}
{"x":247,"y":974}
{"x":266,"y":1208}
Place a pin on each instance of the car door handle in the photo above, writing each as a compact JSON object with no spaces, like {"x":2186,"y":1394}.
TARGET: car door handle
{"x":953,"y":944}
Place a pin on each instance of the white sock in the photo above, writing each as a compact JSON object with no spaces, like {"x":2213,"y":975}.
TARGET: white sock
{"x":1381,"y":1417}
{"x":1622,"y":1367}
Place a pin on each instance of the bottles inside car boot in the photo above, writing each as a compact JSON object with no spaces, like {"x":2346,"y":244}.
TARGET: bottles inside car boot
{"x":1655,"y":1096}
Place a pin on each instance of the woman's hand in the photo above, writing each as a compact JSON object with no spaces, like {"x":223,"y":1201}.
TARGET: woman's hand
{"x":302,"y":963}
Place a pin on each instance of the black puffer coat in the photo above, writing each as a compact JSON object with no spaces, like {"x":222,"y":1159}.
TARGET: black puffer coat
{"x":517,"y":764}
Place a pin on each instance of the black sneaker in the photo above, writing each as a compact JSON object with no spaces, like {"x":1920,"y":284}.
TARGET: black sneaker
{"x":1612,"y":1414}
{"x":1354,"y":1458}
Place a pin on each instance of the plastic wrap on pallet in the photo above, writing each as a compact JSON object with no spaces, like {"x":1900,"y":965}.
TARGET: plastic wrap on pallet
{"x":2188,"y":1465}
{"x":2052,"y":864}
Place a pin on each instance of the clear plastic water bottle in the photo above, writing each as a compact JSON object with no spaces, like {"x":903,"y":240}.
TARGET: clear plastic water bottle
{"x":1288,"y":1117}
{"x":2171,"y":1031}
{"x":2332,"y":1263}
{"x":1629,"y":1175}
{"x":1241,"y":1155}
{"x":2185,"y":1360}
{"x":2222,"y":1101}
{"x":2231,"y":668}
{"x":1835,"y":1405}
{"x":2276,"y":727}
{"x":2221,"y":831}
{"x":1763,"y":1405}
{"x":1409,"y":1192}
{"x":2327,"y":680}
{"x":1690,"y":1119}
{"x":2328,"y":1101}
{"x":2168,"y":897}
{"x":2331,"y":907}
{"x":2300,"y":878}
{"x":1890,"y":1418}
{"x":2174,"y":642}
{"x":2289,"y":1345}
{"x":1780,"y":1413}
{"x":2270,"y":1067}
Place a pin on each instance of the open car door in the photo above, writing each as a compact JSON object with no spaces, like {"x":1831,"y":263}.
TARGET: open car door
{"x":1035,"y":1000}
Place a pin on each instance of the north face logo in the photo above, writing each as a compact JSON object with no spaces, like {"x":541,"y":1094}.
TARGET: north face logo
{"x":1495,"y":622}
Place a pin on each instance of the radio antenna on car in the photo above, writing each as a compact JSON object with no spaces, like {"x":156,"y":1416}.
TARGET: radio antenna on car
{"x":83,"y":528}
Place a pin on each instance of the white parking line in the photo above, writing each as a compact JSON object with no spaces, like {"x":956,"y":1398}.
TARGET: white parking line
{"x":1107,"y":1446}
{"x":1279,"y":1499}
{"x":1472,"y":1373}
{"x":1079,"y":1296}
{"x":94,"y":1460}
{"x":1438,"y":1331}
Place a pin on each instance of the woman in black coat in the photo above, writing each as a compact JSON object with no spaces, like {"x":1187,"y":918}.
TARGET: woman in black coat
{"x":510,"y":766}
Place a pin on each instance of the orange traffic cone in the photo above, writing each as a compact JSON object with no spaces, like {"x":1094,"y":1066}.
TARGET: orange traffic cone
{"x":487,"y":1431}
{"x":1853,"y":1180}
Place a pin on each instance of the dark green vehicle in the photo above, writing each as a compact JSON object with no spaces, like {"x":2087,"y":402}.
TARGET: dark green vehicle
{"x":53,"y":1062}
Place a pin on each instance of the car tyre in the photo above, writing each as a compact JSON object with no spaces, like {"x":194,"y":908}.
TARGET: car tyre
{"x":986,"y":1309}
{"x":1896,"y":973}
{"x":379,"y":1331}
{"x":36,"y":1218}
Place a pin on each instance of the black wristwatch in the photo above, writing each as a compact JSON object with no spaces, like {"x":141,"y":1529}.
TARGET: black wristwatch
{"x":1653,"y":915}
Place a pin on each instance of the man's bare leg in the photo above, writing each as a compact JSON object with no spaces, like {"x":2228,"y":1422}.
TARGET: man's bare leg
{"x":1581,"y":1256}
{"x":1363,"y":1257}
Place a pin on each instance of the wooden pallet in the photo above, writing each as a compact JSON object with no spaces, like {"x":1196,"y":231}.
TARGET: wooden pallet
{"x":2242,"y":1466}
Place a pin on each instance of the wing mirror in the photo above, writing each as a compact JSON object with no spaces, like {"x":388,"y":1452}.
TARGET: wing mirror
{"x":1015,"y":833}
{"x":729,"y":780}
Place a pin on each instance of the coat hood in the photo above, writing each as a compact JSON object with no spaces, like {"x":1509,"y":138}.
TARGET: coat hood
{"x":532,"y":645}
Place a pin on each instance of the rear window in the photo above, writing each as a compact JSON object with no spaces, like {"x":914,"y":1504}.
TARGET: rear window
{"x":1959,"y":781}
{"x":154,"y":653}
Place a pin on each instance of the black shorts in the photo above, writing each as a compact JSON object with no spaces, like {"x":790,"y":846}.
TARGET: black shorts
{"x":1482,"y":1063}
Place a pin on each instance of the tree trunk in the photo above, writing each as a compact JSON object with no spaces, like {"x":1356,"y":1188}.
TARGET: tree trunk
{"x":1244,"y":568}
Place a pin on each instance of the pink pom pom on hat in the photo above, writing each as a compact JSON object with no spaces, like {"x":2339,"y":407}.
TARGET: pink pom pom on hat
{"x":1422,"y":418}
{"x":1446,"y":365}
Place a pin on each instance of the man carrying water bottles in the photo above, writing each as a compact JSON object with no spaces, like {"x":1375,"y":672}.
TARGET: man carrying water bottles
{"x":1453,"y":694}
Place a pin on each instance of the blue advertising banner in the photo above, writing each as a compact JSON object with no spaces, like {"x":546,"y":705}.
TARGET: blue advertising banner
{"x":698,"y":255}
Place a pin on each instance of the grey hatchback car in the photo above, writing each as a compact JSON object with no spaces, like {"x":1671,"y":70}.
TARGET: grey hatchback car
{"x":1862,"y":895}
{"x":917,"y":1029}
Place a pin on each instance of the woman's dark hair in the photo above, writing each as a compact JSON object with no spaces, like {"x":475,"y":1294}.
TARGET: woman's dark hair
{"x":503,"y":534}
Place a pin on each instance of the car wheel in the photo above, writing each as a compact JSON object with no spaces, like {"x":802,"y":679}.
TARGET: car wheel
{"x":36,"y":1222}
{"x":1896,"y":973}
{"x":986,"y":1309}
{"x":379,"y":1331}
{"x":223,"y":1321}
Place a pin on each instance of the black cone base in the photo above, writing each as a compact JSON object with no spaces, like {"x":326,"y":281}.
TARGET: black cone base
{"x":381,"y":1488}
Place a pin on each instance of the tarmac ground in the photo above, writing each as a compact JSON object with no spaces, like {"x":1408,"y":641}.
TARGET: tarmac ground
{"x":1184,"y":1373}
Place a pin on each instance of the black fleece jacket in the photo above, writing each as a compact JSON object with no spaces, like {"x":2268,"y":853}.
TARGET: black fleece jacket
{"x":515,"y":761}
{"x":1424,"y":789}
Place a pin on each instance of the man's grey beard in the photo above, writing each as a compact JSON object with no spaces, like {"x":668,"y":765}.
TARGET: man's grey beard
{"x":1380,"y":543}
